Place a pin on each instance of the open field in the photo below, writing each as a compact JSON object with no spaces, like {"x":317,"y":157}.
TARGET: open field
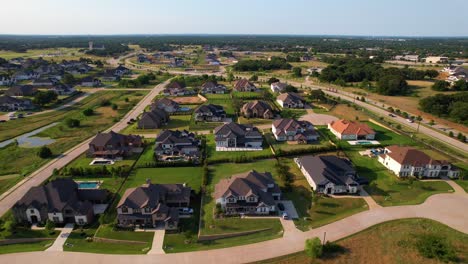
{"x":56,"y":54}
{"x":389,"y":242}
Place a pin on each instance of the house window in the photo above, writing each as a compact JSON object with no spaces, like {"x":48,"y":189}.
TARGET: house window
{"x":81,"y":221}
{"x":147,"y":210}
{"x":56,"y":219}
{"x":124,"y":210}
{"x":31,"y":211}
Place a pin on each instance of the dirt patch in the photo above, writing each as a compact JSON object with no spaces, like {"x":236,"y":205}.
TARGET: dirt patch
{"x":188,"y":100}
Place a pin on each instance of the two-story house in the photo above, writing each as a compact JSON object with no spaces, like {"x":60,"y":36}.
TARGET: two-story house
{"x":153,"y":205}
{"x":213,"y":88}
{"x":408,"y":161}
{"x":244,"y":85}
{"x":329,"y":174}
{"x":250,"y":193}
{"x":210,"y":113}
{"x":257,"y":109}
{"x":166,"y":104}
{"x":156,"y":118}
{"x":278,"y":87}
{"x":287,"y":129}
{"x":114,"y":146}
{"x":60,"y":201}
{"x":177,"y":145}
{"x":232,"y":136}
{"x":8,"y":103}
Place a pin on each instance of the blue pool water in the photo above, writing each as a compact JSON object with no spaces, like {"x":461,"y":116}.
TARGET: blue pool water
{"x":88,"y":185}
{"x":364,"y":142}
{"x":184,"y":109}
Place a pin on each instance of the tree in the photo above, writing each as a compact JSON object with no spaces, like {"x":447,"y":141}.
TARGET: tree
{"x":290,"y":89}
{"x":253,"y":78}
{"x":230,"y":77}
{"x":317,"y":95}
{"x":313,"y":248}
{"x":451,"y":134}
{"x":460,"y":85}
{"x":297,"y":72}
{"x":71,"y":122}
{"x":272,"y":80}
{"x":68,"y":79}
{"x":440,"y":86}
{"x":44,"y":152}
{"x":88,"y":112}
{"x":392,"y":85}
{"x":115,"y":107}
{"x":43,"y":98}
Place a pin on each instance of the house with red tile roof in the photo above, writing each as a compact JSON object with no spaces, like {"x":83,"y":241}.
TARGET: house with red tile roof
{"x":408,"y":161}
{"x":351,"y":130}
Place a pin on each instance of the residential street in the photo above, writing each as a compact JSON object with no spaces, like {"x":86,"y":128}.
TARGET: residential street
{"x":449,"y":209}
{"x":8,"y":199}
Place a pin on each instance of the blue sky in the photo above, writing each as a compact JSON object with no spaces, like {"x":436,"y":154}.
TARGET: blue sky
{"x":309,"y":17}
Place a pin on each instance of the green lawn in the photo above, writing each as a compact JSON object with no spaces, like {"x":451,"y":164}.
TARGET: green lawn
{"x":83,"y":162}
{"x":387,"y":137}
{"x":285,"y":146}
{"x":17,"y":160}
{"x":254,"y":121}
{"x":106,"y":231}
{"x":247,"y":95}
{"x":26,"y":247}
{"x":8,"y":181}
{"x":189,"y":175}
{"x":214,"y":155}
{"x":179,"y":122}
{"x":389,"y":242}
{"x":78,"y":243}
{"x":388,"y":190}
{"x":148,"y":154}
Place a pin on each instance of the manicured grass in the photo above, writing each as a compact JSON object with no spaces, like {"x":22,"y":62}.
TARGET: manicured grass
{"x":179,"y":122}
{"x":387,"y":137}
{"x":463,"y":184}
{"x":285,"y":146}
{"x":148,"y":154}
{"x":16,"y":160}
{"x":247,"y":95}
{"x":8,"y":181}
{"x":388,"y":190}
{"x":26,"y":247}
{"x":328,"y":210}
{"x":214,"y":155}
{"x":210,"y":97}
{"x":78,"y":243}
{"x":83,"y":162}
{"x":106,"y":231}
{"x":189,"y":175}
{"x":292,"y":113}
{"x":389,"y":242}
{"x":254,"y":121}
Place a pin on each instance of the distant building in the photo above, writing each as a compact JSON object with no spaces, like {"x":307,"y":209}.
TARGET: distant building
{"x":156,"y":118}
{"x":278,"y":87}
{"x":166,"y":104}
{"x":434,"y":59}
{"x":175,"y":145}
{"x":8,"y":103}
{"x":21,"y":90}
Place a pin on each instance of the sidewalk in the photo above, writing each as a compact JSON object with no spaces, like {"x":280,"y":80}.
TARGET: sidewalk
{"x":60,"y":241}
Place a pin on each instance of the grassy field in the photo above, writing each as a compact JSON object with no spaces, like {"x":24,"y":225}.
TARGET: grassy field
{"x":83,"y":162}
{"x":106,"y":231}
{"x":179,"y":122}
{"x":285,"y":146}
{"x":18,"y":160}
{"x":214,"y":155}
{"x":56,"y":54}
{"x":388,"y":190}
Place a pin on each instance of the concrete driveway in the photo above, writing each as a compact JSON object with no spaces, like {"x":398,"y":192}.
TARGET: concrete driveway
{"x":288,"y":208}
{"x":60,"y":241}
{"x":317,"y":119}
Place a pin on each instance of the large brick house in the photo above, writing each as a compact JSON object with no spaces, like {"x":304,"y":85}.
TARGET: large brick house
{"x":243,"y":85}
{"x":257,"y":109}
{"x":287,"y":129}
{"x":290,"y":100}
{"x":60,"y":201}
{"x":250,"y":193}
{"x":210,"y":113}
{"x":155,"y":118}
{"x":408,"y":161}
{"x":113,"y":145}
{"x":153,"y":205}
{"x":351,"y":130}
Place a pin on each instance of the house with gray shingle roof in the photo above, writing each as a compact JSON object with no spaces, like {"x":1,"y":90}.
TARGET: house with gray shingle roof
{"x":329,"y":174}
{"x":114,"y":145}
{"x":21,"y":90}
{"x":153,"y":119}
{"x":257,"y":109}
{"x":153,"y":205}
{"x":210,"y":113}
{"x":231,"y":136}
{"x":175,"y":145}
{"x":250,"y":193}
{"x":290,"y":100}
{"x":60,"y":201}
{"x":287,"y":129}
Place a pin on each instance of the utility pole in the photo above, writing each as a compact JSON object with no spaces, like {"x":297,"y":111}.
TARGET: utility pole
{"x":324,"y":237}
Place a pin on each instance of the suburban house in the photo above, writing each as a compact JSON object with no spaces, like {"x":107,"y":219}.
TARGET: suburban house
{"x":113,"y":145}
{"x":257,"y":109}
{"x":21,"y":90}
{"x":25,"y":75}
{"x":43,"y":82}
{"x":213,"y":88}
{"x":153,"y":205}
{"x":233,"y":135}
{"x":408,"y":161}
{"x":350,"y":130}
{"x":290,"y":100}
{"x":287,"y":129}
{"x":60,"y":201}
{"x":413,"y":58}
{"x":8,"y":103}
{"x":63,"y":89}
{"x":6,"y":80}
{"x":166,"y":104}
{"x":176,"y":89}
{"x":109,"y":76}
{"x":250,"y":193}
{"x":278,"y":87}
{"x":90,"y":82}
{"x":329,"y":174}
{"x":210,"y":113}
{"x":121,"y":71}
{"x":177,"y":145}
{"x":153,"y":119}
{"x":243,"y":85}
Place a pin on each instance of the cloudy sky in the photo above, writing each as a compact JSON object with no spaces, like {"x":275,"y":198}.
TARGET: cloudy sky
{"x":309,"y":17}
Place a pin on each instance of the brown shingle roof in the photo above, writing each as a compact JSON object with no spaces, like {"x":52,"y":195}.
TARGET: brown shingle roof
{"x":411,"y":156}
{"x":347,"y":127}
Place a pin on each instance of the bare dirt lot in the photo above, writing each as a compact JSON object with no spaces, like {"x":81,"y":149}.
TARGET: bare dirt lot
{"x":188,"y":100}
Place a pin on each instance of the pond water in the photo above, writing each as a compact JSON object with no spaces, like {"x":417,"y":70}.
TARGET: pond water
{"x":29,"y":141}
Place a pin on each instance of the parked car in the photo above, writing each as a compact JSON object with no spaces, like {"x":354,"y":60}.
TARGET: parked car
{"x":2,"y":121}
{"x":391,"y":115}
{"x":410,"y":120}
{"x":186,"y":210}
{"x":29,"y":113}
{"x":285,"y":216}
{"x":281,"y":206}
{"x":20,"y":115}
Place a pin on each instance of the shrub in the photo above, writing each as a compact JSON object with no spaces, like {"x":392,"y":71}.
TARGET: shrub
{"x":313,"y":247}
{"x":432,"y":246}
{"x":104,"y":102}
{"x":71,"y":122}
{"x":44,"y":152}
{"x":88,"y":112}
{"x":50,"y":225}
{"x":115,"y":107}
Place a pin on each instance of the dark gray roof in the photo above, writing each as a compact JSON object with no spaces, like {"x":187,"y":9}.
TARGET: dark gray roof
{"x":324,"y":169}
{"x":238,"y":130}
{"x":151,"y":195}
{"x":211,"y":108}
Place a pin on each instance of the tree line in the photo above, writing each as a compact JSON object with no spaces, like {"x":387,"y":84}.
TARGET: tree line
{"x":276,"y":63}
{"x":453,"y":106}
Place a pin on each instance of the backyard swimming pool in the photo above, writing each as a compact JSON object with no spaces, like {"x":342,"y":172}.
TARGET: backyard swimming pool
{"x":88,"y":185}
